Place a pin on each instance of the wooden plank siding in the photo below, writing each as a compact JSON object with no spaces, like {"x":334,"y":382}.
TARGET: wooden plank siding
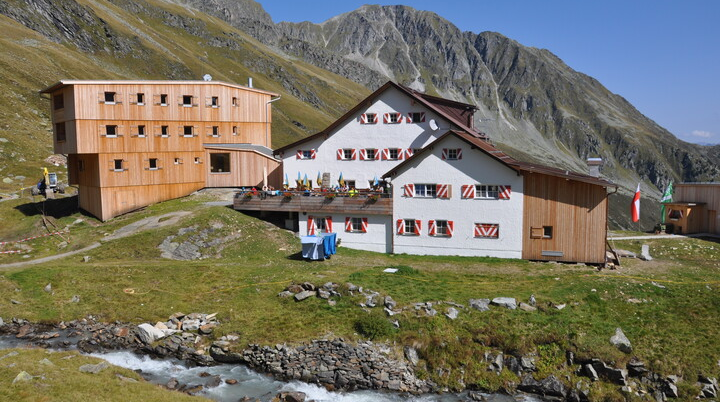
{"x":708,"y":220}
{"x":577,"y":213}
{"x":99,"y":131}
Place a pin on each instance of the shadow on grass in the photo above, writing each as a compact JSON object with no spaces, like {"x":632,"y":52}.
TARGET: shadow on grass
{"x":298,"y":257}
{"x":56,"y":208}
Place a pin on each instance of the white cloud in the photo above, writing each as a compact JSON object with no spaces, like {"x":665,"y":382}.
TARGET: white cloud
{"x":701,"y":134}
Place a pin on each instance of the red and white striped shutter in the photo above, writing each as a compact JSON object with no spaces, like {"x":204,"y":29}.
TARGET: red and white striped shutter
{"x":313,"y":153}
{"x":418,"y":224}
{"x":348,"y":224}
{"x":409,"y":190}
{"x":476,"y":230}
{"x":354,"y":154}
{"x":459,"y":153}
{"x":363,"y":119}
{"x":468,"y":191}
{"x":409,"y":118}
{"x":299,"y":154}
{"x":386,"y":118}
{"x":385,"y":154}
{"x":378,"y":153}
{"x":364,"y":225}
{"x":504,"y":192}
{"x":450,"y":228}
{"x":401,"y":154}
{"x":432,"y":228}
{"x":328,"y":224}
{"x":422,"y":118}
{"x":444,"y":155}
{"x":311,"y":226}
{"x":442,"y":190}
{"x":400,"y":226}
{"x":375,"y":118}
{"x":363,"y":154}
{"x":339,"y":154}
{"x":409,"y":153}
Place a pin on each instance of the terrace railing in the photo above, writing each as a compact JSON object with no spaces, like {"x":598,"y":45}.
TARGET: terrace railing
{"x":361,"y":201}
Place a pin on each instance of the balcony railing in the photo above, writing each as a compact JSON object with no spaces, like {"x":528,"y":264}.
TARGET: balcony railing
{"x":360,"y":201}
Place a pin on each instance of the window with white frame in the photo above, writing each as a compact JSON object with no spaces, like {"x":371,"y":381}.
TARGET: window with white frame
{"x":177,"y":161}
{"x":140,"y":99}
{"x":393,"y":154}
{"x":307,"y":154}
{"x":110,"y":98}
{"x":371,"y":118}
{"x":441,"y":228}
{"x":164,"y":131}
{"x":370,"y":153}
{"x":141,"y":131}
{"x":393,"y":118}
{"x":235,"y":101}
{"x":153,"y":164}
{"x":356,"y":225}
{"x":411,"y":228}
{"x":485,"y":191}
{"x":215,"y":132}
{"x":452,"y":154}
{"x":163,"y":99}
{"x":347,"y":154}
{"x":118,"y":165}
{"x":426,"y":190}
{"x":214,"y":101}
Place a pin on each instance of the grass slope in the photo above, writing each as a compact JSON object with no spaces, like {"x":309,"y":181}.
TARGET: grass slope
{"x":672,"y":328}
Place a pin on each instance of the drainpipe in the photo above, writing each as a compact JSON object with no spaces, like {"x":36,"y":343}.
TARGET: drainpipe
{"x":267,"y":123}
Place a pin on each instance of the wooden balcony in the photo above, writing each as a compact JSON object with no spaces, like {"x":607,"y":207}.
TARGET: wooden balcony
{"x":362,"y":203}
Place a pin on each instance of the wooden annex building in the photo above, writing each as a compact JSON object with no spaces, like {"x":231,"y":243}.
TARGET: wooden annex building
{"x":695,"y":209}
{"x":133,"y":143}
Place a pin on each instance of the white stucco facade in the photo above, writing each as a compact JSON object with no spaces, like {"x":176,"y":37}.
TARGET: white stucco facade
{"x":378,"y":236}
{"x":352,"y":134}
{"x":475,"y":167}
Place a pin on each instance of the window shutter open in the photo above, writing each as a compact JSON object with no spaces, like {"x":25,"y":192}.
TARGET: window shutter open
{"x":459,"y":153}
{"x":444,"y":154}
{"x":450,"y":228}
{"x":311,"y":226}
{"x":409,"y":190}
{"x":401,"y":154}
{"x":422,"y":118}
{"x":378,"y":154}
{"x":328,"y":224}
{"x":363,"y":119}
{"x":408,"y":153}
{"x":418,"y":224}
{"x":504,"y":192}
{"x":385,"y":154}
{"x":354,"y":154}
{"x":386,"y":118}
{"x":313,"y":153}
{"x":299,"y":154}
{"x":339,"y":154}
{"x":442,"y":190}
{"x":364,"y":225}
{"x":348,"y":224}
{"x":432,"y":228}
{"x":363,"y":154}
{"x":468,"y":191}
{"x":400,"y":226}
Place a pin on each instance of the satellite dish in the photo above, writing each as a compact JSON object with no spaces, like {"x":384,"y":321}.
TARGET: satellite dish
{"x":433,"y":125}
{"x":207,"y":77}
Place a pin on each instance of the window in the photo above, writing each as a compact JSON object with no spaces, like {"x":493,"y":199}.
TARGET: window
{"x":348,"y":154}
{"x":234,"y":101}
{"x":153,"y":164}
{"x":188,"y":131}
{"x":452,"y":154}
{"x":487,"y":192}
{"x":118,"y":165}
{"x":163,"y":100}
{"x":368,"y":118}
{"x":547,"y":232}
{"x":215,"y":131}
{"x":393,"y":118}
{"x":164,"y":131}
{"x":220,"y":163}
{"x":197,"y":160}
{"x":177,"y":161}
{"x":675,"y":214}
{"x":307,"y":154}
{"x":111,"y":131}
{"x":187,"y":100}
{"x":350,"y":183}
{"x":141,"y":131}
{"x":426,"y":190}
{"x":234,"y":130}
{"x":356,"y":225}
{"x":81,"y":165}
{"x":393,"y":154}
{"x":214,"y":102}
{"x":416,"y":117}
{"x":58,"y":101}
{"x":140,"y":99}
{"x":110,"y":98}
{"x":411,"y":227}
{"x":370,"y":154}
{"x":487,"y":230}
{"x":60,"y":133}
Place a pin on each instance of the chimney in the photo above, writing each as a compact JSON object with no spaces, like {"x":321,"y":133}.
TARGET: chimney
{"x":250,"y":82}
{"x":594,"y":165}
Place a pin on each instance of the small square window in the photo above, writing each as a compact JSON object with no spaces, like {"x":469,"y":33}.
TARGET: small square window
{"x":452,"y":154}
{"x":164,"y":131}
{"x":111,"y":131}
{"x":234,"y":101}
{"x":441,"y":228}
{"x":371,"y":118}
{"x":417,"y":117}
{"x":188,"y":131}
{"x":370,"y":154}
{"x":187,"y":100}
{"x":215,"y":131}
{"x":675,"y":214}
{"x":426,"y":190}
{"x":307,"y":154}
{"x":118,"y":165}
{"x":140,"y":100}
{"x":153,"y":164}
{"x":410,"y":228}
{"x":394,"y":118}
{"x":163,"y":100}
{"x":547,"y":232}
{"x":393,"y":153}
{"x":197,"y":160}
{"x":214,"y":101}
{"x":141,"y":131}
{"x":234,"y":130}
{"x":486,"y":192}
{"x":347,"y":154}
{"x":110,"y":97}
{"x":177,"y":161}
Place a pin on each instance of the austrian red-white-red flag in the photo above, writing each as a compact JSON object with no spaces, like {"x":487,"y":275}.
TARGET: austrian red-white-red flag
{"x":635,"y":206}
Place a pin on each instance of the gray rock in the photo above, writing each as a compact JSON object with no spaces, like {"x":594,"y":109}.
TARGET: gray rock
{"x":625,"y":253}
{"x":13,"y":301}
{"x":708,"y":387}
{"x":559,"y":306}
{"x":507,"y":302}
{"x":411,"y":355}
{"x":291,"y":396}
{"x":527,"y":363}
{"x":304,"y":295}
{"x":285,"y":294}
{"x":22,"y":376}
{"x":389,"y":302}
{"x":48,"y":288}
{"x":636,"y":368}
{"x":191,"y":325}
{"x":590,"y":372}
{"x":149,"y":334}
{"x":75,"y":299}
{"x":526,"y":307}
{"x":46,"y":362}
{"x":550,"y":386}
{"x":94,"y":368}
{"x":480,"y":304}
{"x":452,"y":313}
{"x":620,"y":341}
{"x":351,"y":287}
{"x":532,"y":300}
{"x":612,"y":374}
{"x":323,"y":294}
{"x":2,"y":322}
{"x":86,"y":258}
{"x":645,"y":253}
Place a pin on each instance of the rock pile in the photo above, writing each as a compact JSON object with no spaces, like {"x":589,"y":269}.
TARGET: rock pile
{"x":334,"y":364}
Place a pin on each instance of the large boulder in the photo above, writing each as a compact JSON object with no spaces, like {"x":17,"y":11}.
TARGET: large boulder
{"x":620,"y":341}
{"x":550,"y":386}
{"x":304,"y":295}
{"x":507,"y":302}
{"x":149,"y":334}
{"x":480,"y":304}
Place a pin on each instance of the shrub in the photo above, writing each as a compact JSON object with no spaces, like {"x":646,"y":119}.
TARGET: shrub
{"x":373,"y":326}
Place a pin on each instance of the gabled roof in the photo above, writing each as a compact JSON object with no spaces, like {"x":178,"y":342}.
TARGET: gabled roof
{"x":65,"y":83}
{"x":519,"y":166}
{"x":441,"y":106}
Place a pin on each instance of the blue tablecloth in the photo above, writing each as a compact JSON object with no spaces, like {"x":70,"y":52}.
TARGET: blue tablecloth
{"x":329,"y":240}
{"x":318,"y":247}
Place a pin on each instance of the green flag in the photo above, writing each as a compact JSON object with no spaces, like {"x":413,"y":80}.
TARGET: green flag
{"x":667,"y":197}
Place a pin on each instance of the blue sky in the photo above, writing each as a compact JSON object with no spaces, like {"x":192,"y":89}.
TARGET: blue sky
{"x":662,"y":56}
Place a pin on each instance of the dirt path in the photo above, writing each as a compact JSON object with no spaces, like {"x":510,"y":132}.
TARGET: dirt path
{"x":152,"y":222}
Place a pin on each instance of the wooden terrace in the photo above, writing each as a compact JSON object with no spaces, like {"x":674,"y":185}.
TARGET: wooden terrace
{"x":365,"y":202}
